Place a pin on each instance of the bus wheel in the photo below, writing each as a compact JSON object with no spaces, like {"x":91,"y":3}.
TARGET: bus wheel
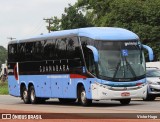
{"x":32,"y":95}
{"x":65,"y":100}
{"x":25,"y":96}
{"x":125,"y":101}
{"x":82,"y":97}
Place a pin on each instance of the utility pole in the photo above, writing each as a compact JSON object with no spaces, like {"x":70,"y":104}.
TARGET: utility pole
{"x":49,"y":22}
{"x":11,"y":38}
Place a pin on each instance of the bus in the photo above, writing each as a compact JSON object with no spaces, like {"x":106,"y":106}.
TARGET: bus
{"x":84,"y":64}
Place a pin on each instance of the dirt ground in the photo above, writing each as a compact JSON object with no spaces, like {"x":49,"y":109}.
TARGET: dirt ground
{"x":69,"y":120}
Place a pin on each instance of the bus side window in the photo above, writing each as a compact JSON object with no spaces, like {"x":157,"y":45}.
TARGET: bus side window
{"x":49,"y":50}
{"x":89,"y":58}
{"x":38,"y":51}
{"x":73,"y":52}
{"x":29,"y":49}
{"x":70,"y":48}
{"x":61,"y":48}
{"x":21,"y":52}
{"x":73,"y":48}
{"x":12,"y":53}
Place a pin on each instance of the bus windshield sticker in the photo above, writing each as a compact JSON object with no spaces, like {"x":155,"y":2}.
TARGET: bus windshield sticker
{"x":130,"y":43}
{"x":124,"y":52}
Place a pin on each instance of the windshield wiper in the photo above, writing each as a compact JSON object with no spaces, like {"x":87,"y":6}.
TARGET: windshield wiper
{"x":131,"y":69}
{"x":117,"y":67}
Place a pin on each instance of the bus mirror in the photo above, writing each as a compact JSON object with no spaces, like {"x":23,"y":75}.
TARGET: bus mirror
{"x":95,"y":52}
{"x":150,"y":52}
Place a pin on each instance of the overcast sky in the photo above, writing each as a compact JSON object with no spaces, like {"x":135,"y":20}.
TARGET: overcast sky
{"x":24,"y":18}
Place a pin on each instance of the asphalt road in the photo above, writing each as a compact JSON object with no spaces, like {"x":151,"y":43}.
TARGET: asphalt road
{"x":106,"y":106}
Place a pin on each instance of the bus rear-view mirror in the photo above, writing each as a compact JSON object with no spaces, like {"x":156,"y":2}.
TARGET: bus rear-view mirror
{"x":95,"y":52}
{"x":150,"y":52}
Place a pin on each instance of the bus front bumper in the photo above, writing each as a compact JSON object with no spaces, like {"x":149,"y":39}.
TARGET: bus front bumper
{"x":103,"y":92}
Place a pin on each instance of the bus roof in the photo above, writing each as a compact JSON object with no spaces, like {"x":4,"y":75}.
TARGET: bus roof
{"x":96,"y":33}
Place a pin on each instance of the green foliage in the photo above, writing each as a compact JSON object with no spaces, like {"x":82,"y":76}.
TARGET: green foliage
{"x":139,"y":16}
{"x":3,"y":55}
{"x":3,"y":88}
{"x":56,"y":24}
{"x":71,"y":19}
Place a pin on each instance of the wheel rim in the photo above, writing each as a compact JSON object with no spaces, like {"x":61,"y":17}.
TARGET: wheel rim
{"x":25,"y":94}
{"x":32,"y":95}
{"x":83,"y":97}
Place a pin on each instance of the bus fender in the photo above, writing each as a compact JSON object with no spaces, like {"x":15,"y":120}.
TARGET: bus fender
{"x":81,"y":83}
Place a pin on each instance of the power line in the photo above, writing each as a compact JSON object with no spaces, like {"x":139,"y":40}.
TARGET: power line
{"x":11,"y":38}
{"x":35,"y":30}
{"x":49,"y":22}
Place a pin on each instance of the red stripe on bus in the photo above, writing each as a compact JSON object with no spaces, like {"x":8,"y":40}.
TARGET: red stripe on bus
{"x":77,"y":76}
{"x":15,"y":72}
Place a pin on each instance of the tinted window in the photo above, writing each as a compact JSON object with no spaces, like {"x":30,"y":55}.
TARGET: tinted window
{"x":49,"y":47}
{"x":61,"y":49}
{"x":88,"y":55}
{"x":29,"y":50}
{"x":73,"y":48}
{"x":12,"y":53}
{"x":74,"y":53}
{"x":87,"y":41}
{"x":21,"y":52}
{"x":38,"y":51}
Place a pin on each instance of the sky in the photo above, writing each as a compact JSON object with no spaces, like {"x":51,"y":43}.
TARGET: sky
{"x":24,"y":18}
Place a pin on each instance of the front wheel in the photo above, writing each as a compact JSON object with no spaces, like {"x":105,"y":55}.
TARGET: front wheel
{"x":82,"y":99}
{"x":125,"y":101}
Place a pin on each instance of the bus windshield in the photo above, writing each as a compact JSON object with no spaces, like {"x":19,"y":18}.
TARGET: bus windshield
{"x":121,"y":60}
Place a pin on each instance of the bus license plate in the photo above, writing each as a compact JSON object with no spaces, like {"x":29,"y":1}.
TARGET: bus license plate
{"x":125,"y":94}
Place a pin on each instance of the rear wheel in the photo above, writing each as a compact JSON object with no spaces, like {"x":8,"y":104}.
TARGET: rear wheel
{"x":32,"y":95}
{"x":82,"y":99}
{"x":25,"y":95}
{"x":125,"y":101}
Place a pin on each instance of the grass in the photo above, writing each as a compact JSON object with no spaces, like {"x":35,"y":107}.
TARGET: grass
{"x":3,"y":88}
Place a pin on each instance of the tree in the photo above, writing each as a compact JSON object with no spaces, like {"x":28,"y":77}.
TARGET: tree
{"x":56,"y":24}
{"x":71,"y":19}
{"x":3,"y":55}
{"x":139,"y":16}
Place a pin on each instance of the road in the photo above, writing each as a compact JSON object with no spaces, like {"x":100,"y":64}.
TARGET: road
{"x":100,"y":110}
{"x":53,"y":106}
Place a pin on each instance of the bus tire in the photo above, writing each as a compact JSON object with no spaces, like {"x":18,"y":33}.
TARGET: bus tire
{"x":125,"y":101}
{"x":82,"y":97}
{"x":32,"y":95}
{"x":25,"y":95}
